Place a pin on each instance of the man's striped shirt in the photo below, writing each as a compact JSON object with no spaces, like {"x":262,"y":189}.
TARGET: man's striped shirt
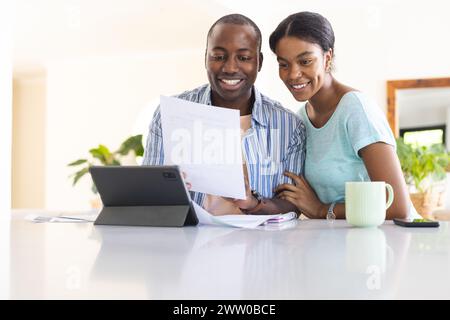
{"x":275,"y":143}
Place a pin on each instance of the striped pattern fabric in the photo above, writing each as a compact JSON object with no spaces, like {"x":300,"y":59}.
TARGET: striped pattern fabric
{"x":275,"y":143}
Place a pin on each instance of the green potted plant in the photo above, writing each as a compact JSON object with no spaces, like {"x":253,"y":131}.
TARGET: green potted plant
{"x":103,"y":156}
{"x":424,"y":169}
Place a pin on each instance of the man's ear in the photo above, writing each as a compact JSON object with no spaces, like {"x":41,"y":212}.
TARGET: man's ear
{"x":261,"y":58}
{"x":206,"y":51}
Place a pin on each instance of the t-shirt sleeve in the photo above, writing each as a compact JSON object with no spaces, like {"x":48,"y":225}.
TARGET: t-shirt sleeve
{"x":367,"y":124}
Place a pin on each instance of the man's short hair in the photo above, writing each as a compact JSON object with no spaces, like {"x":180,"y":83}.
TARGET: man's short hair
{"x":237,"y":19}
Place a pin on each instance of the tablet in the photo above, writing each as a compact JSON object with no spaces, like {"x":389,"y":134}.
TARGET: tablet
{"x":143,"y":196}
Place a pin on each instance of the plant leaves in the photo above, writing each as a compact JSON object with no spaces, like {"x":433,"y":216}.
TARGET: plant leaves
{"x":419,"y":163}
{"x":101,"y":153}
{"x":79,"y":174}
{"x":77,"y":162}
{"x":107,"y":158}
{"x":133,"y":143}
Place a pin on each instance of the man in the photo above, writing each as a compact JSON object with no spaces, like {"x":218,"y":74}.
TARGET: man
{"x":274,"y":139}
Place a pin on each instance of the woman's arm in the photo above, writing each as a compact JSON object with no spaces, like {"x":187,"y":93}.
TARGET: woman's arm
{"x":382,"y":164}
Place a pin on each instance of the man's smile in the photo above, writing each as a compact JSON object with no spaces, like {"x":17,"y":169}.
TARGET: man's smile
{"x":231,"y":84}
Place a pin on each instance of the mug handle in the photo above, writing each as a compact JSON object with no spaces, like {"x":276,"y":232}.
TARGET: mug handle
{"x":391,"y":195}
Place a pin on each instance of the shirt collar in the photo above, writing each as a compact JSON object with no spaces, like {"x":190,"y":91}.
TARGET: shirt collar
{"x":259,"y":113}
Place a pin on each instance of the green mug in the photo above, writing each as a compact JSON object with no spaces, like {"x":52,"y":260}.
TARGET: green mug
{"x":365,"y":202}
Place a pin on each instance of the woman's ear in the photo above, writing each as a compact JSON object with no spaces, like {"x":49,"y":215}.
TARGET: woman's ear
{"x":328,"y":60}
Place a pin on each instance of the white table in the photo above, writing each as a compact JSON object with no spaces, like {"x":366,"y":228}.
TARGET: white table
{"x":308,"y":260}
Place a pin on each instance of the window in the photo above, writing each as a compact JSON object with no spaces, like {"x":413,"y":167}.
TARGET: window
{"x":424,"y":136}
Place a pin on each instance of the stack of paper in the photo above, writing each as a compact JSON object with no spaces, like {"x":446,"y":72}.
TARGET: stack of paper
{"x":241,"y":221}
{"x":62,"y":218}
{"x":280,"y":218}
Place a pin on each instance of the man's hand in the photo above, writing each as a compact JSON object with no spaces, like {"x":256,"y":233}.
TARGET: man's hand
{"x":188,"y":184}
{"x":249,"y":202}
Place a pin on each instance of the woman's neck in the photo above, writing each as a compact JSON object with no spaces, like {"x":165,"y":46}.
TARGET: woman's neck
{"x":327,"y":98}
{"x":322,"y":105}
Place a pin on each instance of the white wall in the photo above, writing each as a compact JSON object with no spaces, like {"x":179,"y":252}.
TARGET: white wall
{"x":105,"y":72}
{"x":376,"y":41}
{"x":5,"y":105}
{"x":97,"y":100}
{"x":6,"y":14}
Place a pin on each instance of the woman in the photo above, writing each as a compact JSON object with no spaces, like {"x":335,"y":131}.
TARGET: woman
{"x":348,"y":137}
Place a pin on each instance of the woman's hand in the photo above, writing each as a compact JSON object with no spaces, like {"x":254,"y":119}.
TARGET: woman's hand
{"x":302,"y":196}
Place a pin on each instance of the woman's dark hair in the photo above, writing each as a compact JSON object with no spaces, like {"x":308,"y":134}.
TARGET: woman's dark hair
{"x":307,"y":26}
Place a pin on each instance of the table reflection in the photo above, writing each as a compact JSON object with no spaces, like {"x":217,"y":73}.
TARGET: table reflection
{"x":227,"y":263}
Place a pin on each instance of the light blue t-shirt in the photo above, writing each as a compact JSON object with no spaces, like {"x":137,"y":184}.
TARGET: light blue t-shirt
{"x":332,"y":150}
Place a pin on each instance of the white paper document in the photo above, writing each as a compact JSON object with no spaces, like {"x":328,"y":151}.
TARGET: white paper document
{"x":241,"y":221}
{"x":205,"y":141}
{"x":74,"y":218}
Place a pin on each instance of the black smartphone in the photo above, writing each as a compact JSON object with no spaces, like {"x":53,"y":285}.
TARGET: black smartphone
{"x":416,"y":223}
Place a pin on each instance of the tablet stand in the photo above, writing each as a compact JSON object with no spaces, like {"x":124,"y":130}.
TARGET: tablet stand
{"x":156,"y":216}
